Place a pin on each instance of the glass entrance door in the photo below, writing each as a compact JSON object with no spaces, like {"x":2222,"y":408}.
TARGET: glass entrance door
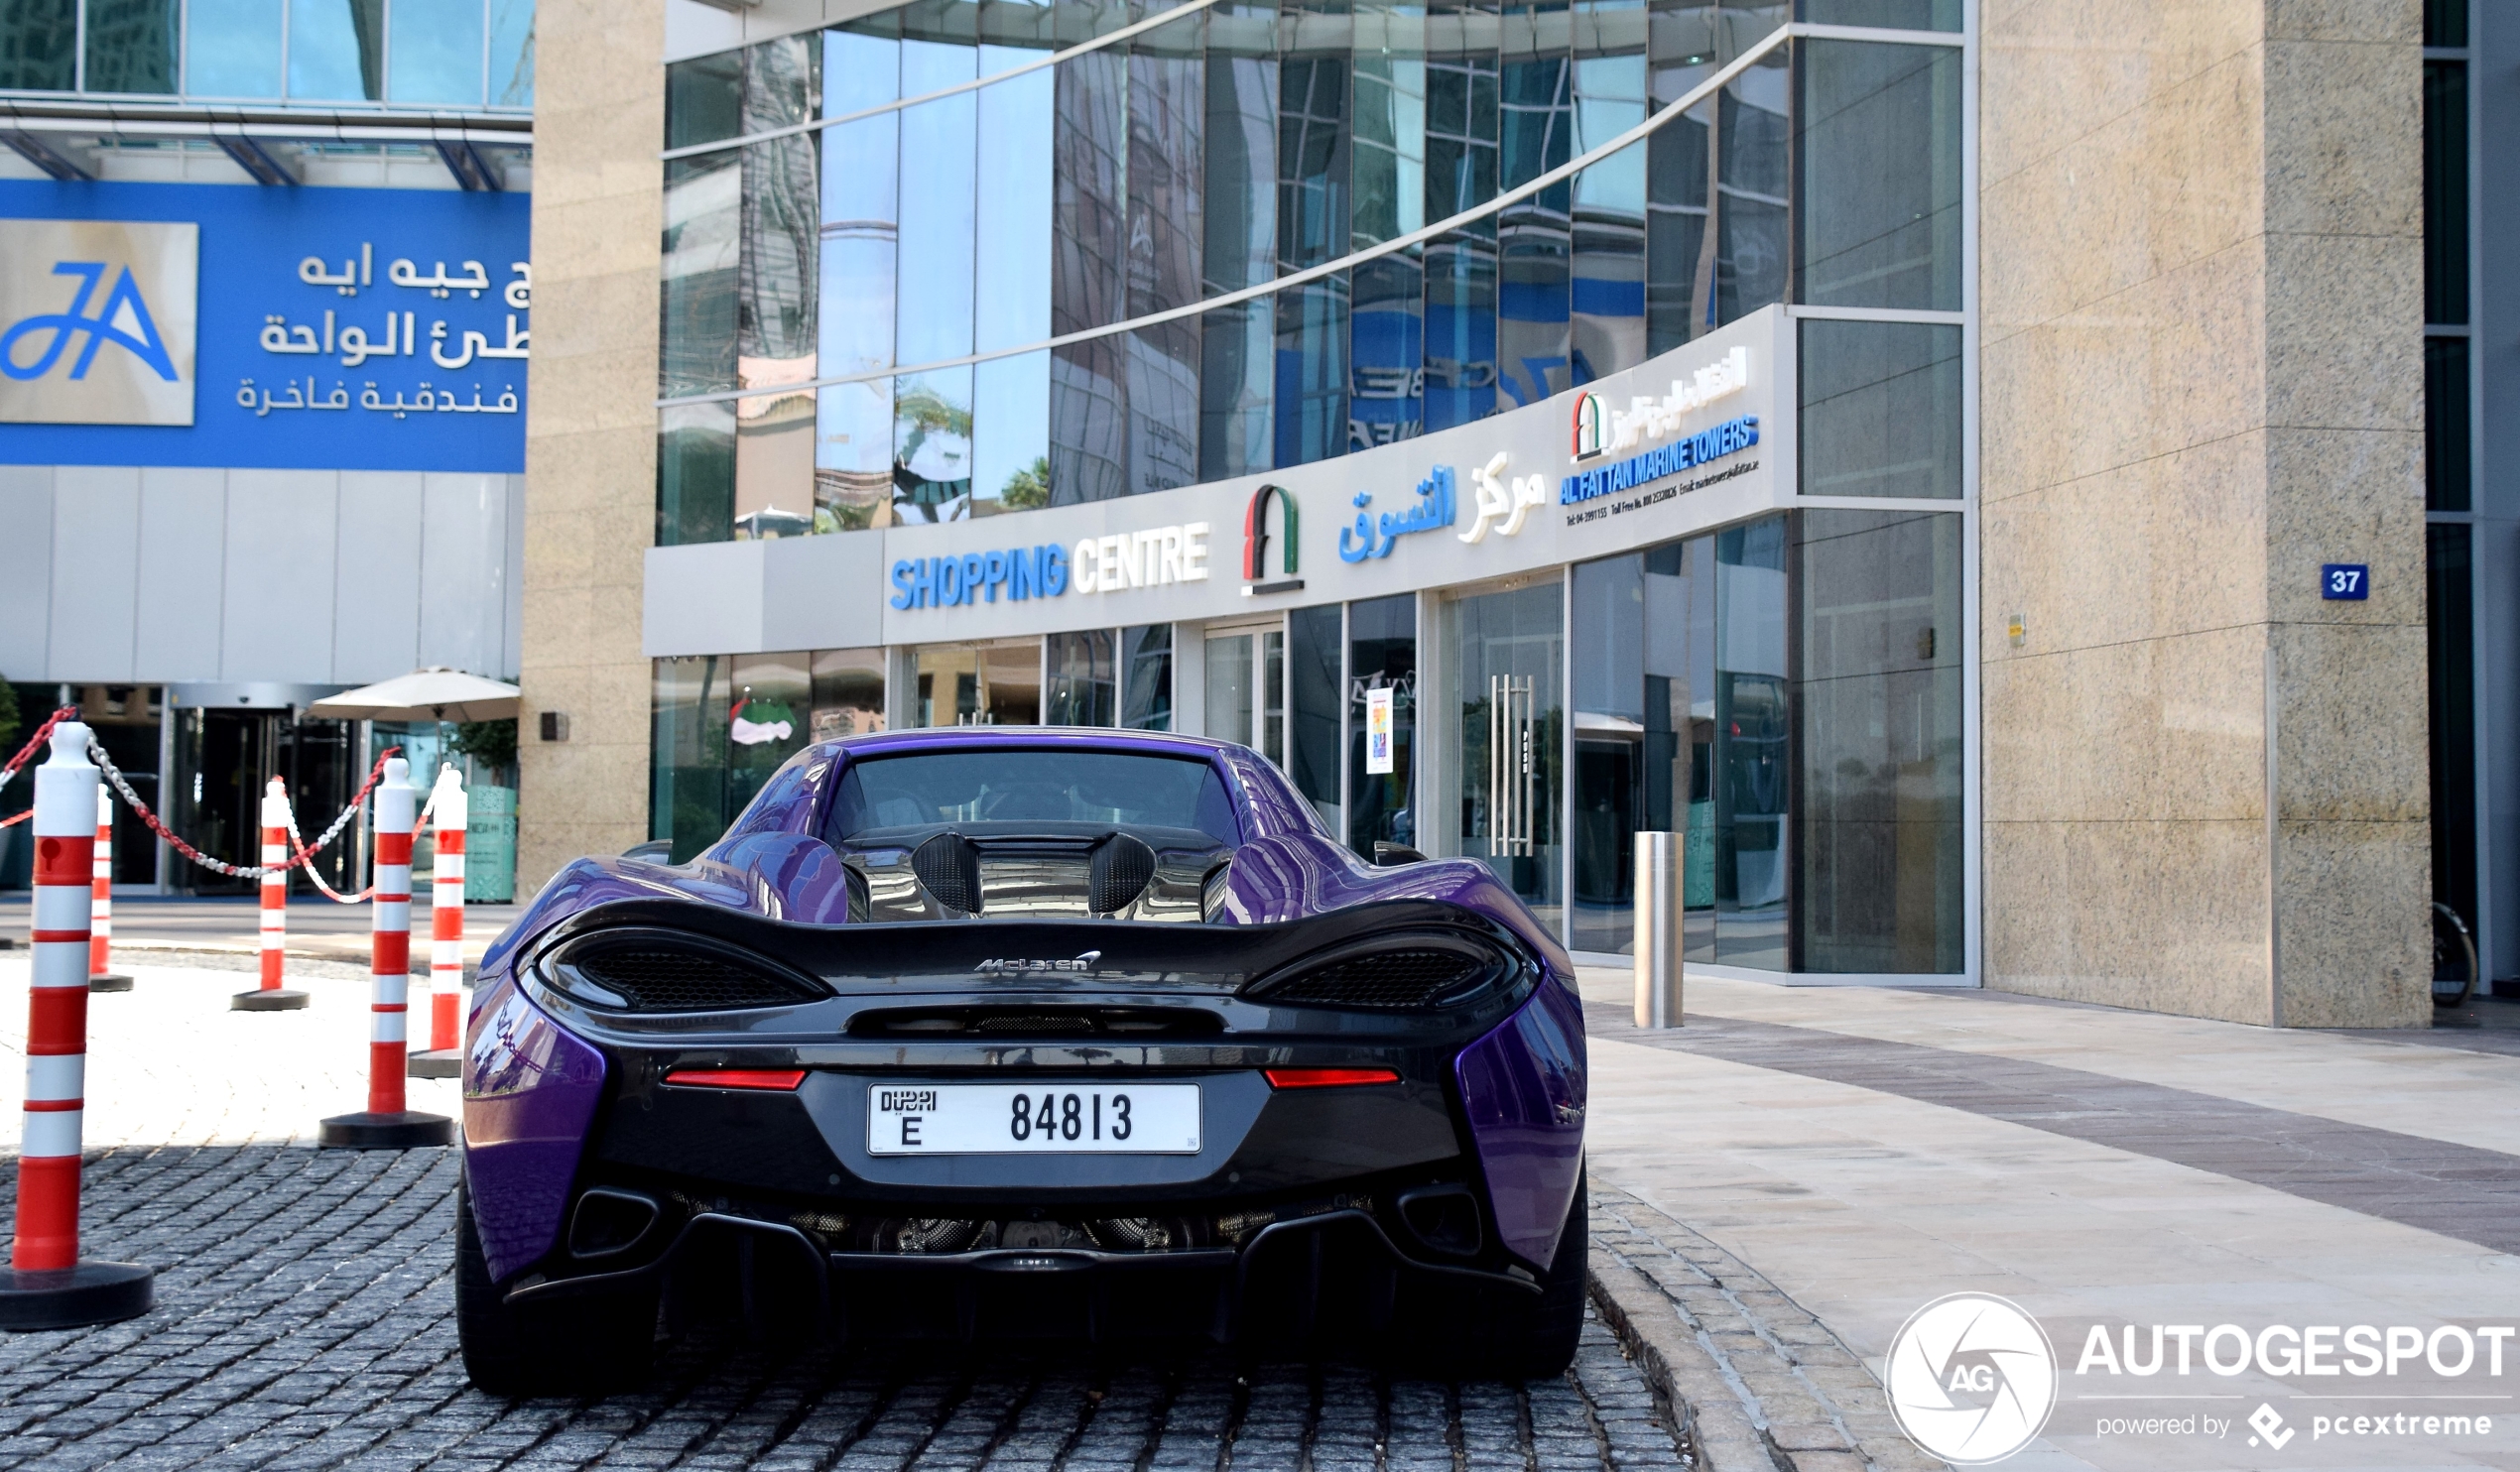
{"x":1508,"y":661}
{"x":1246,"y":690}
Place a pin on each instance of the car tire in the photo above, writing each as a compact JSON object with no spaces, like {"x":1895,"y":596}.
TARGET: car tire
{"x":1556,"y":1321}
{"x":579,"y":1345}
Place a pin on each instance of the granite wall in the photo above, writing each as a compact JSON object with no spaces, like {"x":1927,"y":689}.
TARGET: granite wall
{"x":2201,"y":290}
{"x":590,"y":441}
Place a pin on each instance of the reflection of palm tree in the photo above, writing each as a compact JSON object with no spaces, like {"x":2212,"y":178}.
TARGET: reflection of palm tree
{"x":928,"y":412}
{"x":1028,"y":489}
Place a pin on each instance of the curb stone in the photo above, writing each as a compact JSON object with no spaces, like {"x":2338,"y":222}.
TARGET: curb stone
{"x":1756,"y":1383}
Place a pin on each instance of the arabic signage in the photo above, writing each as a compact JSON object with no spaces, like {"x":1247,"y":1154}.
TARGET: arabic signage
{"x":1704,"y":440}
{"x":343,"y":329}
{"x":96,"y":323}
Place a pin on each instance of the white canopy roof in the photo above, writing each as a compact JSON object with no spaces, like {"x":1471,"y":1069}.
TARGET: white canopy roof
{"x":436,"y":694}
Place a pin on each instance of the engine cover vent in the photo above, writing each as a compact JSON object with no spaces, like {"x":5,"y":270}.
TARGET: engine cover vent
{"x":948,"y":868}
{"x":1122,"y":867}
{"x":660,"y":976}
{"x":1404,"y":972}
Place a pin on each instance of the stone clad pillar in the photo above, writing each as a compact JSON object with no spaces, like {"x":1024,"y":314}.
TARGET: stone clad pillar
{"x":2201,"y":298}
{"x":591,"y":432}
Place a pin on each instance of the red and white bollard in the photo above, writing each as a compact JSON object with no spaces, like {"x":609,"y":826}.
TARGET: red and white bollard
{"x":387,"y":1124}
{"x":269,"y":996}
{"x":101,"y":975}
{"x":47,"y":1286}
{"x":450,"y":812}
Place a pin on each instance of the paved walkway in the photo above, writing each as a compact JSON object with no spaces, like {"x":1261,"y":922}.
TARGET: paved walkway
{"x":305,"y":1301}
{"x":1862,"y":1153}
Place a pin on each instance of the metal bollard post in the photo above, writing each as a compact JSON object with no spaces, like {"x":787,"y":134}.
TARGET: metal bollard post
{"x":47,"y":1284}
{"x":101,"y":975}
{"x":1658,"y":918}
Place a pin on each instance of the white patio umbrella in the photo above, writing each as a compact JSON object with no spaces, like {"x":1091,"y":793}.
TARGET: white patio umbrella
{"x":436,"y":694}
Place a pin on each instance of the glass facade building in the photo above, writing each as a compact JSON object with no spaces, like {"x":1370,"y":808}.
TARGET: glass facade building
{"x":958,"y":280}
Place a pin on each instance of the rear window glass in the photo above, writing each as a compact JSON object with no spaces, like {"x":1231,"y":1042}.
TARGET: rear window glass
{"x":1120,"y":789}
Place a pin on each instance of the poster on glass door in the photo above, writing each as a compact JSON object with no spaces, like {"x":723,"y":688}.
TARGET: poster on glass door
{"x":1378,"y":732}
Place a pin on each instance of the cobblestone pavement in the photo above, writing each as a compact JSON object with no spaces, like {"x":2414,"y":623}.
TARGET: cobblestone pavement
{"x":305,"y":1319}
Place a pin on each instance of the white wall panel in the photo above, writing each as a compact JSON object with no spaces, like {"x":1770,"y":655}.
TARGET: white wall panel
{"x":512,"y":608}
{"x":463,"y":565}
{"x":97,"y":568}
{"x":277,"y":602}
{"x":183,"y":517}
{"x":25,"y":570}
{"x":376,"y":616}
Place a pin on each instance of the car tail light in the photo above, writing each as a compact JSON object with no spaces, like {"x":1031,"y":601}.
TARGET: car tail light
{"x":737,"y":1078}
{"x":1327,"y":1079}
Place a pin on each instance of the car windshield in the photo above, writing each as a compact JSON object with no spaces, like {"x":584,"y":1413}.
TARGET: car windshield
{"x":1123,"y":790}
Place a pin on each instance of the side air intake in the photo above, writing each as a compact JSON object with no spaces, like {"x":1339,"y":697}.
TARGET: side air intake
{"x":663,"y":975}
{"x":1122,"y":867}
{"x":948,"y":868}
{"x":1400,"y":973}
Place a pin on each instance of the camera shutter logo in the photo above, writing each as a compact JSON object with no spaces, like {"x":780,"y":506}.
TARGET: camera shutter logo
{"x":97,"y":322}
{"x":1972,"y":1378}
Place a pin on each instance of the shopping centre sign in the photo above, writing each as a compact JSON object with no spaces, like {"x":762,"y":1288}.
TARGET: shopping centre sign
{"x":283,"y":328}
{"x":1704,"y":439}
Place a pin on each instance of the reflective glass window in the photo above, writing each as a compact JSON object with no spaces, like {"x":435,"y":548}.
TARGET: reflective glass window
{"x":853,"y":298}
{"x":2450,"y":616}
{"x":687,"y":799}
{"x":232,"y":47}
{"x":977,"y":685}
{"x":39,"y":44}
{"x":1888,"y":15}
{"x":1880,"y":408}
{"x":1010,"y":397}
{"x":1753,"y":748}
{"x":696,"y":473}
{"x":1459,"y":322}
{"x":1311,"y":381}
{"x":704,"y":97}
{"x":1607,"y":294}
{"x":1382,"y":654}
{"x":1230,"y":691}
{"x":1877,"y":175}
{"x":848,"y":694}
{"x":1084,"y":681}
{"x":1239,"y":249}
{"x":1089,"y":382}
{"x":1753,"y":168}
{"x":132,"y":45}
{"x":703,"y":249}
{"x":2445,"y":191}
{"x":1167,"y":128}
{"x":775,"y":323}
{"x":2447,"y":471}
{"x":1680,"y":167}
{"x":1877,"y":854}
{"x":511,"y":53}
{"x":336,"y":50}
{"x":1146,"y":677}
{"x":436,"y":54}
{"x":1314,"y":651}
{"x":769,"y":706}
{"x":1536,"y":126}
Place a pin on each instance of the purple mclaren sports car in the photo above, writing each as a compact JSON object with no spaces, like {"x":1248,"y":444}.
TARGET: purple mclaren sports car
{"x":991,"y":1032}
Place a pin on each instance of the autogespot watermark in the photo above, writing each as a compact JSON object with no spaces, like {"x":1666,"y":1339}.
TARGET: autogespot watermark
{"x":1974,"y":1379}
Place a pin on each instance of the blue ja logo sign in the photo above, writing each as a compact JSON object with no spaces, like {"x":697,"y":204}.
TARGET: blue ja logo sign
{"x":97,"y":322}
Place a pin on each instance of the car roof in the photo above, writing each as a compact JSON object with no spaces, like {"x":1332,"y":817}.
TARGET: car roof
{"x":1078,"y":738}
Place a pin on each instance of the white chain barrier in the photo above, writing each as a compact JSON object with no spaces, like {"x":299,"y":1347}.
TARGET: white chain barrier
{"x":305,"y":852}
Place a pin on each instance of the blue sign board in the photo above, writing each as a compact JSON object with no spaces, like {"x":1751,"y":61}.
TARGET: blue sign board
{"x":2344,"y":580}
{"x":339,"y":328}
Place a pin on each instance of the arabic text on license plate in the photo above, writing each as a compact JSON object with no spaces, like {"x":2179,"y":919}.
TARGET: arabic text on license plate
{"x":964,"y":1119}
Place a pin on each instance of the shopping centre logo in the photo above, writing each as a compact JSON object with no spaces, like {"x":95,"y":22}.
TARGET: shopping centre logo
{"x":1255,"y":542}
{"x":1972,"y":1378}
{"x":97,"y":322}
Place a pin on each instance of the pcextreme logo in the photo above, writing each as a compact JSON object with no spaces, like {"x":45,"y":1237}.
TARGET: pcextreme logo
{"x":97,"y":322}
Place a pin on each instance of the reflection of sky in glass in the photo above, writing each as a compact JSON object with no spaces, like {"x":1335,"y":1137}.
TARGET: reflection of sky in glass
{"x":1010,"y":409}
{"x":324,"y":49}
{"x":855,"y":429}
{"x":436,"y":54}
{"x":1010,"y":414}
{"x":1609,"y":101}
{"x":938,"y":150}
{"x":511,"y":52}
{"x":233,"y":48}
